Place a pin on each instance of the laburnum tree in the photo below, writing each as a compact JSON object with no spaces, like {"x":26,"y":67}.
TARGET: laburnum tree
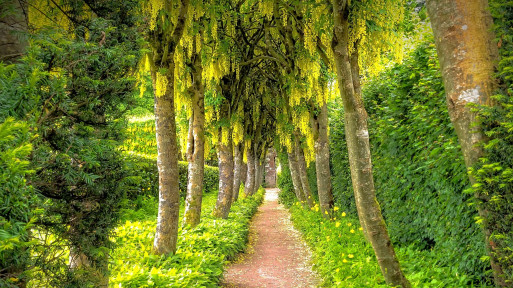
{"x":166,"y":25}
{"x":468,"y":59}
{"x":350,"y":46}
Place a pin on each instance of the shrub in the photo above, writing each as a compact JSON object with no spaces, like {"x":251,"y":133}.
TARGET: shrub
{"x":16,"y":202}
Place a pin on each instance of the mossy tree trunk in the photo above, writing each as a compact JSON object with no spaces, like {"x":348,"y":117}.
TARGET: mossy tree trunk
{"x":294,"y":174}
{"x":357,"y":137}
{"x":322,"y":161}
{"x":237,"y":171}
{"x":303,"y":176}
{"x":196,"y":148}
{"x":468,"y":58}
{"x":250,"y":175}
{"x":163,"y":41}
{"x":225,"y":157}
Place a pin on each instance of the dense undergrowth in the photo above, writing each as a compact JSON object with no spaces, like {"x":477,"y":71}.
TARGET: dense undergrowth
{"x":201,"y":251}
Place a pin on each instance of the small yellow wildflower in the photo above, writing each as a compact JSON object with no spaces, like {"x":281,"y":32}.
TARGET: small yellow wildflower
{"x":343,"y":214}
{"x":326,"y":212}
{"x":361,"y":229}
{"x":350,"y":256}
{"x":335,"y":208}
{"x":337,"y":224}
{"x":338,"y":269}
{"x":349,"y":224}
{"x":352,"y":231}
{"x":345,"y":261}
{"x":316,"y":208}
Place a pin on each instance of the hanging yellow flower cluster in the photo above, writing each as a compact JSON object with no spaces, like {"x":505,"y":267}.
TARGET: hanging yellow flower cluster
{"x":266,"y":8}
{"x":385,"y":15}
{"x":161,"y":84}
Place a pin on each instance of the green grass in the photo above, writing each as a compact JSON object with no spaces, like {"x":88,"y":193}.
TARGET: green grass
{"x":343,"y":258}
{"x":201,"y":252}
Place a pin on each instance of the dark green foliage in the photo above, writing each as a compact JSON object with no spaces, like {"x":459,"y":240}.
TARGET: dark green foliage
{"x":418,"y":167}
{"x":72,"y":88}
{"x":16,"y":202}
{"x":494,"y":173}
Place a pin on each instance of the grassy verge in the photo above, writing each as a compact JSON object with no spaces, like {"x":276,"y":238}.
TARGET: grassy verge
{"x":343,"y":258}
{"x":201,"y":253}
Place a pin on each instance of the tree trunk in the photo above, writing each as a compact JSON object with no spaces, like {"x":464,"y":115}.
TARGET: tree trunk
{"x":250,"y":176}
{"x":322,"y":163}
{"x":468,"y":59}
{"x":258,"y":175}
{"x":167,"y":163}
{"x":303,"y":176}
{"x":13,"y":25}
{"x":196,"y":150}
{"x":237,"y":171}
{"x":294,"y":174}
{"x":244,"y":170}
{"x":163,"y":49}
{"x":357,"y":137}
{"x":225,"y":156}
{"x":78,"y":260}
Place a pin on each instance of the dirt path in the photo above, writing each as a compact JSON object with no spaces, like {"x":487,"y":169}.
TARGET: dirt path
{"x":277,"y":256}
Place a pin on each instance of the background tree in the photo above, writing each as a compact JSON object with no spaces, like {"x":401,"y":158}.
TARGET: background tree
{"x":167,"y":24}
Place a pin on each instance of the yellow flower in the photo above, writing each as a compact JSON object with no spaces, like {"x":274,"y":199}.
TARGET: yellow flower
{"x":343,"y":214}
{"x":350,"y":256}
{"x":349,"y":224}
{"x":361,"y":229}
{"x":345,"y":261}
{"x":337,"y":224}
{"x":316,"y":209}
{"x":13,"y":279}
{"x":352,"y":231}
{"x":338,"y":269}
{"x":335,"y":208}
{"x":326,"y":212}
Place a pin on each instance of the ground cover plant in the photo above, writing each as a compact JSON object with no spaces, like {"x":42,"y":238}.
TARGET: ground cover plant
{"x":202,"y":251}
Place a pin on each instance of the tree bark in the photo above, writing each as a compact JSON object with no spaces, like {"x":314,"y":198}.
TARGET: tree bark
{"x":250,"y":176}
{"x":237,"y":171}
{"x":258,"y":175}
{"x":322,"y":163}
{"x":294,"y":174}
{"x":303,"y":176}
{"x":13,"y":25}
{"x":468,"y":58}
{"x":224,"y":197}
{"x":244,"y":170}
{"x":167,"y":163}
{"x":357,"y":137}
{"x":163,"y":43}
{"x":196,"y":150}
